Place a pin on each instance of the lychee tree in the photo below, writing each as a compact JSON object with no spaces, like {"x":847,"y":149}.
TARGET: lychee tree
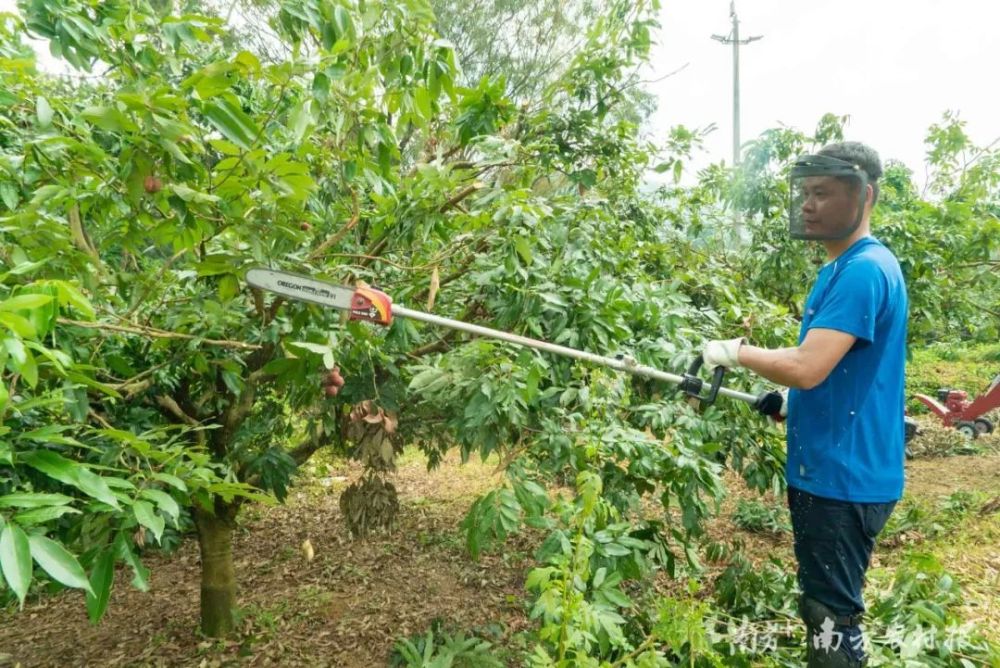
{"x":176,"y":159}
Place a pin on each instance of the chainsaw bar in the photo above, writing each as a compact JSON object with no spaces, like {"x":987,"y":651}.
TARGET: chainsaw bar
{"x":367,"y":304}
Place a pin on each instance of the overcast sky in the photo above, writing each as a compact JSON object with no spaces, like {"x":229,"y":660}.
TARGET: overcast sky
{"x":894,"y":65}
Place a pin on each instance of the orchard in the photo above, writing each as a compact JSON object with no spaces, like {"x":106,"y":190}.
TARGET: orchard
{"x":198,"y":471}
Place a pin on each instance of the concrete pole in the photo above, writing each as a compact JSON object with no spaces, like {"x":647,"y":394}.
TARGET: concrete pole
{"x":734,"y":38}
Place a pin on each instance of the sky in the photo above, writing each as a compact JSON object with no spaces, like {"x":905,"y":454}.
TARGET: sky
{"x":895,"y":66}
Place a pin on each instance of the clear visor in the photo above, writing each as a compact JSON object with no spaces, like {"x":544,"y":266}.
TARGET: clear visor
{"x":826,"y":204}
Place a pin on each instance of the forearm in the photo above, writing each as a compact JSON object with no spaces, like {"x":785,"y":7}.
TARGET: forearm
{"x":784,"y":366}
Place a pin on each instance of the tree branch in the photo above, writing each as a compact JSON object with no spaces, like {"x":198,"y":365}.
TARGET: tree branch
{"x":154,"y":333}
{"x":439,"y":346}
{"x":461,"y":270}
{"x":157,"y":281}
{"x":302,"y":452}
{"x":172,"y":409}
{"x":79,"y":235}
{"x":339,"y":234}
{"x":374,"y":252}
{"x":460,"y":195}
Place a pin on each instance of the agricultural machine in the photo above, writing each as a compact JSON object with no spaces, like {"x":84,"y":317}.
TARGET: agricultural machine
{"x":955,"y":410}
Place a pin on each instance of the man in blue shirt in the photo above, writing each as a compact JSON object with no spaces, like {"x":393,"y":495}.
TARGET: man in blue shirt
{"x":845,"y":405}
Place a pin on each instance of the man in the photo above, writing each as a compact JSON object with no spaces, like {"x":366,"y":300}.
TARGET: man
{"x":845,"y":405}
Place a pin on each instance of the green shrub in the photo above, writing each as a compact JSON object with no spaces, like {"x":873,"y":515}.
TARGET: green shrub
{"x":968,"y":368}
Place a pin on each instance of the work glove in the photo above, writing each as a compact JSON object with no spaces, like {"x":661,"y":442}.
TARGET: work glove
{"x":722,"y":353}
{"x":772,"y":404}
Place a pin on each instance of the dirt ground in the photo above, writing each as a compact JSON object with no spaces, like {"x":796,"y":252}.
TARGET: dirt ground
{"x":346,"y":607}
{"x":354,"y":599}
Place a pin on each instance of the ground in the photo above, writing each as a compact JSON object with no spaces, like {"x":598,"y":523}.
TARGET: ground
{"x":351,"y":602}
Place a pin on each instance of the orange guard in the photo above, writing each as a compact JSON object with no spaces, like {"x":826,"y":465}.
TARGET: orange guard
{"x":371,"y":305}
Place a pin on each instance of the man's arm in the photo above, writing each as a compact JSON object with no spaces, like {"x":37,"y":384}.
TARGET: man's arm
{"x":803,"y":367}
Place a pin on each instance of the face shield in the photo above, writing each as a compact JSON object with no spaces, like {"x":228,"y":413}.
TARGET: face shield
{"x":827,"y":198}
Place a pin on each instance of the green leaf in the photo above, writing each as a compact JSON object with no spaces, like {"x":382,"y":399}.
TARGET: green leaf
{"x":44,"y":515}
{"x":523,"y":247}
{"x":342,"y":20}
{"x":44,"y":111}
{"x":110,"y":119}
{"x":52,"y":465}
{"x":422,"y":99}
{"x":229,"y":490}
{"x":173,"y":149}
{"x":58,"y":563}
{"x":29,"y":369}
{"x":93,"y":485}
{"x":615,"y":596}
{"x":58,"y":358}
{"x":72,"y":473}
{"x":101,"y":579}
{"x":171,"y":480}
{"x":25,"y":302}
{"x":299,"y":119}
{"x":15,"y":348}
{"x":19,"y":325}
{"x":147,"y":517}
{"x":317,"y":348}
{"x":33,"y":500}
{"x":9,"y":195}
{"x":226,"y":116}
{"x":213,"y":80}
{"x":15,"y":559}
{"x":229,"y":287}
{"x":164,"y":501}
{"x":69,"y":295}
{"x":140,"y":579}
{"x":191,"y":195}
{"x":423,"y":379}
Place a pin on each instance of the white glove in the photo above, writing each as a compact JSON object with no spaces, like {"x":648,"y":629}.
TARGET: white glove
{"x":722,"y":353}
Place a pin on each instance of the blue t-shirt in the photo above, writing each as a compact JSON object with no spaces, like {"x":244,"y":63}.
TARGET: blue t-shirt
{"x":845,"y":436}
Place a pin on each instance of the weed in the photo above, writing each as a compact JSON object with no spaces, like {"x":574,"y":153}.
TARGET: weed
{"x":757,"y":517}
{"x":439,"y":648}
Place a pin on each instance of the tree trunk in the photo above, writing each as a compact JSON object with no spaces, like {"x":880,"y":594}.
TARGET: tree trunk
{"x":218,"y":577}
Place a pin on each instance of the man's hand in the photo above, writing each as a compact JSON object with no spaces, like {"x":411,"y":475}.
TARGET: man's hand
{"x":773,"y":404}
{"x":722,"y":353}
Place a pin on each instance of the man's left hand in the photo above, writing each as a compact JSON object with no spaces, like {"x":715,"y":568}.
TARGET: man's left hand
{"x":722,"y":353}
{"x":773,"y":404}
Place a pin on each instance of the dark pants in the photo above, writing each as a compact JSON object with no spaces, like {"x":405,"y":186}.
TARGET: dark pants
{"x":833,"y":546}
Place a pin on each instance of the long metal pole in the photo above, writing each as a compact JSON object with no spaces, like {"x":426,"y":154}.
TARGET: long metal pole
{"x":308,"y":289}
{"x":626,"y":364}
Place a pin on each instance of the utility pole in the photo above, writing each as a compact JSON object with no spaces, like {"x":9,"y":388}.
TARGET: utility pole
{"x":734,"y":38}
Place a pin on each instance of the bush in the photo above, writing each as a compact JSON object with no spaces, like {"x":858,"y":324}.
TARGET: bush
{"x":758,"y":517}
{"x":968,"y":368}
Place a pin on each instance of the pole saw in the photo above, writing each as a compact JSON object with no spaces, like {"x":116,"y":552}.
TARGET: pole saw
{"x":371,"y":305}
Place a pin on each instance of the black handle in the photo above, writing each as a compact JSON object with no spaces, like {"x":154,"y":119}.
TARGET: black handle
{"x":692,"y":384}
{"x":713,"y":391}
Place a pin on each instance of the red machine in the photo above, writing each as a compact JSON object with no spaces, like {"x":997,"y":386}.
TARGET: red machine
{"x":955,"y":410}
